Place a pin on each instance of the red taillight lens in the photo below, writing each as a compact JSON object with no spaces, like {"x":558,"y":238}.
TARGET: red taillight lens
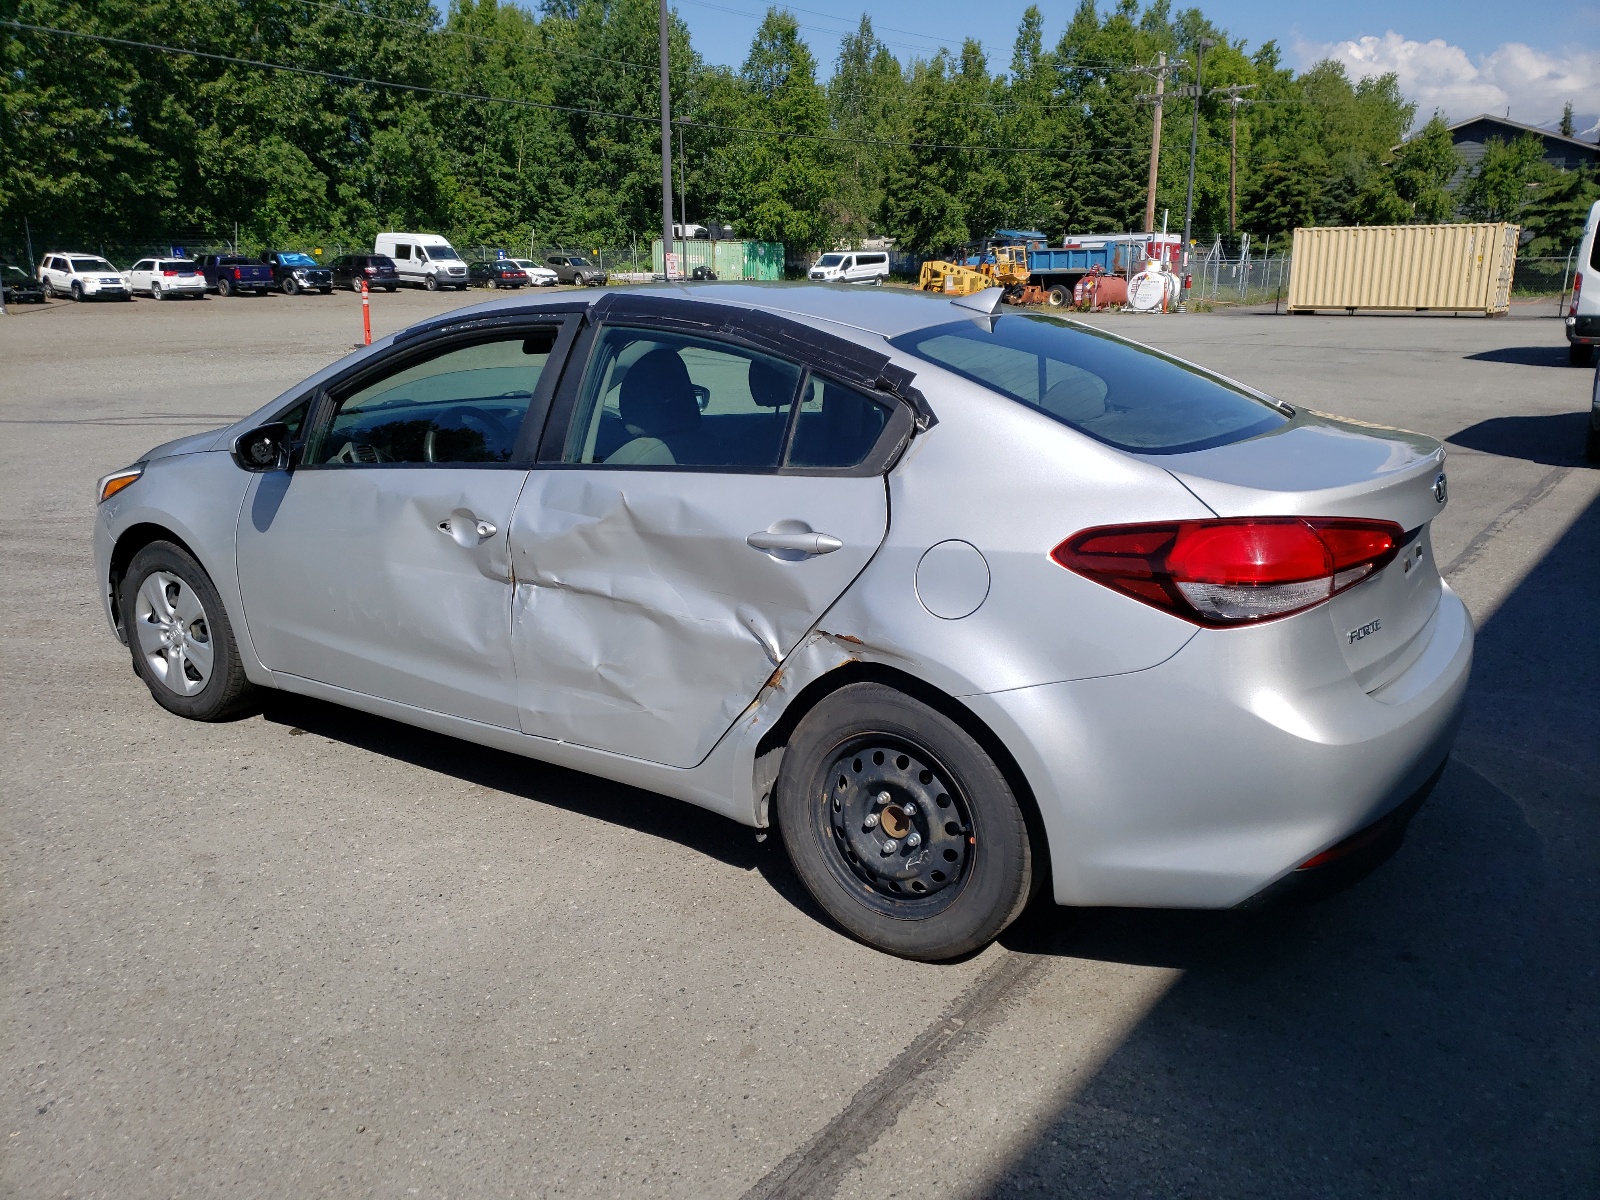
{"x":237,"y":273}
{"x":1234,"y":570}
{"x":372,"y":270}
{"x":1577,"y":284}
{"x":169,"y":274}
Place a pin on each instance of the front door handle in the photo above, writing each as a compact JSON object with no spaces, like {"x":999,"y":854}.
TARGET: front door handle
{"x":466,"y":528}
{"x":805,"y":543}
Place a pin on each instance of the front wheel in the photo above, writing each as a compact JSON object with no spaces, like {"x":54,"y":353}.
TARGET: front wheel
{"x":327,"y":291}
{"x":179,"y":635}
{"x":1058,"y":297}
{"x":77,"y":292}
{"x":431,"y":282}
{"x":900,"y":825}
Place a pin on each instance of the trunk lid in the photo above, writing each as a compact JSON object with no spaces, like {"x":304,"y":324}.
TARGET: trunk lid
{"x":1323,"y":466}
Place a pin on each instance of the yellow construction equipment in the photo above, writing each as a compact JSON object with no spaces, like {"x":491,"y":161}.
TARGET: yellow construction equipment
{"x":952,"y":278}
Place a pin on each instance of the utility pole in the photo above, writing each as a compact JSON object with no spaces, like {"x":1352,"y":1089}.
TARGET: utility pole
{"x":1231,"y":93}
{"x":666,"y":149}
{"x":1194,"y":145}
{"x":683,"y":203}
{"x":1160,"y":71}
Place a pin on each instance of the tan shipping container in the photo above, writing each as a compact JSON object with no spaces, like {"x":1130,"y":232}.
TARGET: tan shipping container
{"x":1414,"y":268}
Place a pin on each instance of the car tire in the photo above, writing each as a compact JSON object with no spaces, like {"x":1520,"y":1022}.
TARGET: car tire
{"x":224,"y":288}
{"x":177,"y":629}
{"x":1580,"y":354}
{"x":968,"y":874}
{"x":155,"y":290}
{"x":290,"y":287}
{"x":1058,"y":297}
{"x":1591,"y":444}
{"x":77,"y":292}
{"x":431,"y":282}
{"x":327,"y":291}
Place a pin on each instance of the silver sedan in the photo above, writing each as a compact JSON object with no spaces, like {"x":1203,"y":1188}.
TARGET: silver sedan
{"x":970,"y":604}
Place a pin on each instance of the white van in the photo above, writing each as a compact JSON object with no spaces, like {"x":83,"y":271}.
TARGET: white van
{"x":424,"y":258}
{"x":1583,"y":314}
{"x":851,"y":266}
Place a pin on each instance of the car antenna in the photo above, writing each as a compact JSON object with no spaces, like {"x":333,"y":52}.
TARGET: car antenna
{"x":984,"y":302}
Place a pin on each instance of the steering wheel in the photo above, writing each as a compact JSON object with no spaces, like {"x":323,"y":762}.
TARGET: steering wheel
{"x":465,"y":416}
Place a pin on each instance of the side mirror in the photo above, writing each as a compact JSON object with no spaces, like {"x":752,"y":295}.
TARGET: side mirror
{"x":264,"y":448}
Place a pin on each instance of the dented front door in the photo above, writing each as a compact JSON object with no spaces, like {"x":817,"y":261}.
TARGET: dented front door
{"x":651,"y":606}
{"x":392,"y":582}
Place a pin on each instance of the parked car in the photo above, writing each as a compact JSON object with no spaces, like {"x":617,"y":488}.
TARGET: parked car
{"x":233,"y":274}
{"x":497,"y":273}
{"x":18,"y":287}
{"x":424,"y":258}
{"x":167,"y":278}
{"x":963,"y":600}
{"x":538,"y":276}
{"x":377,"y":269}
{"x":294,"y":272}
{"x":574,"y":268}
{"x":82,"y":276}
{"x":1583,"y":313}
{"x":851,"y":266}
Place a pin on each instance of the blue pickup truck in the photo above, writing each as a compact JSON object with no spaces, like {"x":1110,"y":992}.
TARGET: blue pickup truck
{"x":1057,"y":269}
{"x":233,"y":274}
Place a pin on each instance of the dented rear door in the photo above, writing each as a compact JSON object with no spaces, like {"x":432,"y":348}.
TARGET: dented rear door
{"x":644,"y":620}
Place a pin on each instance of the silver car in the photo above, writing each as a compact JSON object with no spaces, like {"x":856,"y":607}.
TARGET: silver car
{"x":969,"y":604}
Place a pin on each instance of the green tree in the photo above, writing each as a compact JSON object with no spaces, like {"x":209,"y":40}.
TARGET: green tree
{"x":1498,"y":187}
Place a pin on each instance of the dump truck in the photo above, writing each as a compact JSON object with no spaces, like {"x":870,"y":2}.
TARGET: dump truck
{"x":1056,"y":270}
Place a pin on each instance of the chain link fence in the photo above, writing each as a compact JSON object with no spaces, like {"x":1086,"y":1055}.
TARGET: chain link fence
{"x":1218,"y":280}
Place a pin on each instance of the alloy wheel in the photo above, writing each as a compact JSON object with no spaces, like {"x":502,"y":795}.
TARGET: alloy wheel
{"x":173,"y":633}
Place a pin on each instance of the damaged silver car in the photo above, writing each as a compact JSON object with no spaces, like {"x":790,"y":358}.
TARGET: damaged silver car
{"x":971,"y":605}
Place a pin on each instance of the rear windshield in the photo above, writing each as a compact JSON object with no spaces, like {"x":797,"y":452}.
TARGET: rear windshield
{"x":1126,"y":396}
{"x":234,"y":260}
{"x":91,"y":264}
{"x":179,"y":264}
{"x":380,"y":260}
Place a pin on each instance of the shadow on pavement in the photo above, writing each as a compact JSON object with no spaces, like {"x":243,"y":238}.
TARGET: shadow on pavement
{"x":1433,"y":1032}
{"x":1526,"y":356}
{"x":659,"y":816}
{"x":1555,"y":440}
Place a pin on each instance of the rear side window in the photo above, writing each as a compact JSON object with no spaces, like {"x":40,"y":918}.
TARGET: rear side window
{"x":836,"y":426}
{"x":1129,"y":397}
{"x":402,"y":251}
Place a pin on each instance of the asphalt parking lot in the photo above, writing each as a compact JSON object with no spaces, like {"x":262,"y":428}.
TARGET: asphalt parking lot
{"x":313,"y":953}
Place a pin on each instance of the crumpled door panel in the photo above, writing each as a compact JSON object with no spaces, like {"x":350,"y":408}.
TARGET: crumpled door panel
{"x":644,"y":622}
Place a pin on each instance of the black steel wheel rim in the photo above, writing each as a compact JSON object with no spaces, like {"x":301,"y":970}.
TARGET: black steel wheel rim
{"x":895,"y":826}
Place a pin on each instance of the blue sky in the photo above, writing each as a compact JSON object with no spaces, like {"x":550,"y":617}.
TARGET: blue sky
{"x":1466,"y":57}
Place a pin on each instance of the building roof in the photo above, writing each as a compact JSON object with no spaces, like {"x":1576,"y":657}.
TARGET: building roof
{"x":1470,"y":135}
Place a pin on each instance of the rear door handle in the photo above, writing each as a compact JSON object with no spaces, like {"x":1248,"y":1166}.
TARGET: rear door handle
{"x":807,"y":543}
{"x":466,"y":528}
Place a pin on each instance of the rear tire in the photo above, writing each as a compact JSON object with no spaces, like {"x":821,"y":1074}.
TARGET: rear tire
{"x":224,"y":288}
{"x":179,"y":635}
{"x":155,"y":290}
{"x":1059,"y":297}
{"x":938,"y":869}
{"x":1580,"y":354}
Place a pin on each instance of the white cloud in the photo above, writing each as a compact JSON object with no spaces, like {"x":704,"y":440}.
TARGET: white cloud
{"x":1435,"y":74}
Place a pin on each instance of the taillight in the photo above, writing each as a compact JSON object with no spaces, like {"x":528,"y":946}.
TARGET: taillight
{"x":1577,"y":283}
{"x":372,"y":270}
{"x":237,"y":273}
{"x":169,"y":274}
{"x":1234,"y":570}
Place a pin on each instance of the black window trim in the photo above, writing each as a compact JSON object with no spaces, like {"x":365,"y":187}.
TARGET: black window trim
{"x":891,"y":443}
{"x":466,"y":333}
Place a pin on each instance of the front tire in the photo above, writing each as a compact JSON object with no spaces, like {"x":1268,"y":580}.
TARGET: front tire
{"x":1058,"y":297}
{"x":290,"y":287}
{"x":431,"y":282}
{"x":179,"y":635}
{"x":77,"y":293}
{"x":901,"y":826}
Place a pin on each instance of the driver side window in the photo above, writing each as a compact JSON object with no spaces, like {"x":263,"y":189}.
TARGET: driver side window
{"x":463,"y":404}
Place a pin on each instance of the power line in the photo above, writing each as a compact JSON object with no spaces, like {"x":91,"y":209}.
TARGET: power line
{"x":340,"y":77}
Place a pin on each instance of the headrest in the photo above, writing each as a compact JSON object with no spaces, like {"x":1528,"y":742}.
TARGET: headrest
{"x":657,"y":397}
{"x":770,"y":386}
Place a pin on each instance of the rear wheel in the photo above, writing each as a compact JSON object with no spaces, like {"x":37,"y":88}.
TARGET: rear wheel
{"x":179,"y":635}
{"x":900,"y":825}
{"x":155,"y":290}
{"x":1059,"y":297}
{"x":224,"y":288}
{"x":1580,"y":354}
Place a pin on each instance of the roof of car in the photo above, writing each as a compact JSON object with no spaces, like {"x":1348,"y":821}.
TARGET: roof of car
{"x":887,"y":312}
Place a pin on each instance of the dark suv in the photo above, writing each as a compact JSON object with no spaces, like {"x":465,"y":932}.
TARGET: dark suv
{"x":377,"y":269}
{"x":18,"y":287}
{"x":574,"y":268}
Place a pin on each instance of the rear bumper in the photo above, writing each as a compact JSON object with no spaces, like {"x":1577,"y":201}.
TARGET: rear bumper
{"x":1204,"y":780}
{"x":1584,"y":329}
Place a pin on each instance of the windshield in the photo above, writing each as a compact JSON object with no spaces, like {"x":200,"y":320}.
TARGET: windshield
{"x":91,"y":264}
{"x":297,"y":260}
{"x":15,"y":274}
{"x":1127,"y":396}
{"x":830,"y":260}
{"x":441,"y":252}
